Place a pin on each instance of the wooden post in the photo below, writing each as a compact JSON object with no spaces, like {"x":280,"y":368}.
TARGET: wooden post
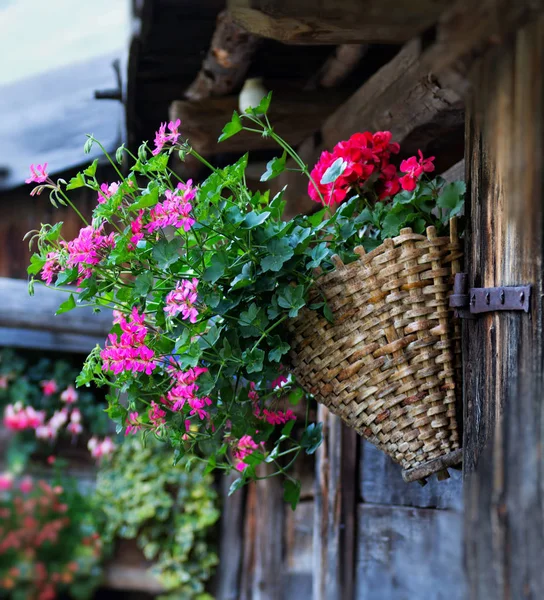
{"x":503,"y":360}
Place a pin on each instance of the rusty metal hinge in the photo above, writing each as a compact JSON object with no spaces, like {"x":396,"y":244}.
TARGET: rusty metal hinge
{"x":474,"y":301}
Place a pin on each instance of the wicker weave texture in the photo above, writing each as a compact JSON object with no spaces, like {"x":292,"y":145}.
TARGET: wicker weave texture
{"x":387,"y":364}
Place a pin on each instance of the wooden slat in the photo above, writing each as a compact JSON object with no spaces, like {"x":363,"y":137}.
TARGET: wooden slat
{"x":263,"y":540}
{"x":294,"y":117}
{"x":336,"y":21}
{"x":19,"y":310}
{"x":409,"y":554}
{"x":381,"y":483}
{"x":503,"y":351}
{"x":227,"y":576}
{"x":48,"y":340}
{"x":335,"y":505}
{"x":455,"y":173}
{"x":298,"y":561}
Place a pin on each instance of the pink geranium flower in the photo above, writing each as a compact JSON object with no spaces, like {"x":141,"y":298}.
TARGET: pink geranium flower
{"x":182,"y":300}
{"x":69,"y":395}
{"x":38,"y":174}
{"x":162,"y":137}
{"x":107,"y":191}
{"x":156,"y":415}
{"x":175,"y":210}
{"x":88,"y":249}
{"x":133,"y":423}
{"x":26,"y":485}
{"x":51,"y":268}
{"x":246,"y":446}
{"x":49,"y":387}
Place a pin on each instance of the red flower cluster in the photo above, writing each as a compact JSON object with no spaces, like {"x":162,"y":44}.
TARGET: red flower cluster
{"x":364,"y":155}
{"x":366,"y":159}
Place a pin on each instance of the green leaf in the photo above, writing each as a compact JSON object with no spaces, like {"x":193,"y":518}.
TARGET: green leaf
{"x":291,"y":492}
{"x":318,"y":254}
{"x":243,"y":279}
{"x":287,"y":428}
{"x":334,"y":171}
{"x":147,"y":199}
{"x":166,"y":253}
{"x":253,"y":360}
{"x":90,"y":171}
{"x":274,"y":167}
{"x":67,"y":305}
{"x":280,"y":348}
{"x":279,"y":252}
{"x":76,"y":182}
{"x":54,"y":233}
{"x":36,"y":264}
{"x":233,"y":127}
{"x":253,"y":321}
{"x":262,"y":107}
{"x":312,"y":437}
{"x":236,"y":485}
{"x":217,"y":268}
{"x":292,"y":298}
{"x":296,"y":396}
{"x":327,"y":313}
{"x":143,"y":284}
{"x":451,"y":198}
{"x":254,"y":219}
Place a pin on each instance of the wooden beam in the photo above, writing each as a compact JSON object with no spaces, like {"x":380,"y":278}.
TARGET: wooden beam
{"x":20,"y":310}
{"x":336,"y":21}
{"x":467,"y":29}
{"x":48,"y":340}
{"x":293,"y":115}
{"x":402,"y":97}
{"x":226,"y":64}
{"x":504,"y":351}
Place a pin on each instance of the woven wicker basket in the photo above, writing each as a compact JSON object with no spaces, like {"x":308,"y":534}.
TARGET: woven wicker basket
{"x":388,"y":364}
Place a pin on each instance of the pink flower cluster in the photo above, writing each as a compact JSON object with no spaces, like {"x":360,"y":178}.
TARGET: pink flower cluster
{"x":107,"y":191}
{"x":49,"y":387}
{"x":175,"y":210}
{"x":52,"y":267}
{"x":129,"y":352}
{"x":6,"y":482}
{"x":246,"y":446}
{"x":133,"y":423}
{"x":49,"y":431}
{"x":278,"y":417}
{"x":18,"y":417}
{"x":99,"y":449}
{"x":182,"y":300}
{"x":38,"y":174}
{"x":88,"y":249}
{"x":156,"y":415}
{"x":414,"y":169}
{"x":162,"y":137}
{"x":185,"y":391}
{"x":364,"y":155}
{"x":69,"y":395}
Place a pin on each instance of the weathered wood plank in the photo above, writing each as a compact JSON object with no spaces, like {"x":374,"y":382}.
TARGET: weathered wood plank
{"x":263,"y":540}
{"x":335,"y":505}
{"x":294,"y":117}
{"x":48,"y":340}
{"x":226,"y":64}
{"x":503,"y":352}
{"x":381,"y":483}
{"x":455,"y":173}
{"x":336,"y":21}
{"x":298,"y":565}
{"x":409,"y":554}
{"x":227,"y":576}
{"x":19,"y":310}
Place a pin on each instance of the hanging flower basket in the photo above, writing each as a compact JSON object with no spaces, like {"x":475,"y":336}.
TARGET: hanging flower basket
{"x":387,"y":364}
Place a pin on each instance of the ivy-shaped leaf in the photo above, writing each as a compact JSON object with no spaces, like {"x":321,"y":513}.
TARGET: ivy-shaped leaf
{"x":291,"y":492}
{"x":274,"y":167}
{"x":67,"y":305}
{"x":76,"y":182}
{"x":292,"y":298}
{"x":312,"y":437}
{"x":166,"y":253}
{"x":233,"y":127}
{"x":279,"y":252}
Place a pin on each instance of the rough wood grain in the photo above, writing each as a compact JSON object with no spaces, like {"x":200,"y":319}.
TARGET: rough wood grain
{"x":336,"y":21}
{"x":19,"y":310}
{"x":294,"y":116}
{"x":409,"y":554}
{"x":381,"y":483}
{"x":298,"y":561}
{"x":227,"y":61}
{"x":503,"y":352}
{"x":230,"y":542}
{"x":334,"y":516}
{"x":48,"y":340}
{"x":263,"y":540}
